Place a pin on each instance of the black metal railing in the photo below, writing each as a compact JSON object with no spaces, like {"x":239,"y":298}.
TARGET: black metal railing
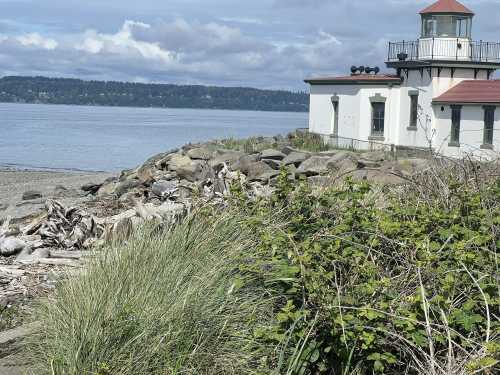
{"x":444,"y":49}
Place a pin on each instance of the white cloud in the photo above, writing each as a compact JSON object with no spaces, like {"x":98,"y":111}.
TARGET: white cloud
{"x":36,"y":40}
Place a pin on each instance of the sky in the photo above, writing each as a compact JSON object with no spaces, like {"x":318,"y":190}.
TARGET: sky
{"x":258,"y":43}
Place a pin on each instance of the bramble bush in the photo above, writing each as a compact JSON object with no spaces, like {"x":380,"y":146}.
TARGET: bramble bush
{"x":379,"y":281}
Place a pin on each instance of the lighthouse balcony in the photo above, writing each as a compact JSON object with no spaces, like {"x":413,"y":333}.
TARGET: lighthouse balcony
{"x":444,"y":50}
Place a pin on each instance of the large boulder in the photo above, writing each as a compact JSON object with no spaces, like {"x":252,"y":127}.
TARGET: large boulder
{"x":314,"y":166}
{"x":222,"y":157}
{"x":274,"y":164}
{"x":200,"y":153}
{"x":126,"y":186}
{"x":258,"y":171}
{"x":177,"y":161}
{"x":196,"y":170}
{"x":31,"y":194}
{"x":165,"y":189}
{"x":244,"y":162}
{"x":146,"y":173}
{"x":91,"y":188}
{"x":295,"y":158}
{"x":271,"y":154}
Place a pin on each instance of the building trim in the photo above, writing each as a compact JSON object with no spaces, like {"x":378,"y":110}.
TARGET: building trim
{"x":368,"y":82}
{"x":414,"y":64}
{"x":482,"y":103}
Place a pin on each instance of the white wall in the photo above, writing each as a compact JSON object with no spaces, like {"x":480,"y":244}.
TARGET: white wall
{"x":471,"y":132}
{"x":355,"y":112}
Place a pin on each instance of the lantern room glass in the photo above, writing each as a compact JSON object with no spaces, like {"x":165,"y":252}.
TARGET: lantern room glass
{"x":446,"y":26}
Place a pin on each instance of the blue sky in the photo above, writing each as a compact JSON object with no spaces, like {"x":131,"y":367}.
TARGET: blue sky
{"x":260,"y":43}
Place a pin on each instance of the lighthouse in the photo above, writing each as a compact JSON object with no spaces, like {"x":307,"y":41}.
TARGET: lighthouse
{"x":439,"y":92}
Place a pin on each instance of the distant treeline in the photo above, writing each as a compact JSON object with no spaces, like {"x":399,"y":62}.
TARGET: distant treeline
{"x":99,"y":93}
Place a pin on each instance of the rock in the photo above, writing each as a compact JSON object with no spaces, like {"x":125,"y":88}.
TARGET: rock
{"x":194,"y":171}
{"x":375,"y":156}
{"x":61,"y":192}
{"x":31,"y":194}
{"x":344,"y":166}
{"x":274,"y":164}
{"x":244,"y":162}
{"x":165,"y":189}
{"x":107,"y":189}
{"x":91,"y":188}
{"x":287,"y":150}
{"x":31,"y":202}
{"x":295,"y":158}
{"x":261,"y":191}
{"x":266,"y":177}
{"x":200,"y":153}
{"x":11,"y":246}
{"x":177,"y":161}
{"x":3,"y":206}
{"x":146,"y":174}
{"x":131,"y":196}
{"x":362,"y":163}
{"x":271,"y":154}
{"x":257,"y":169}
{"x":320,"y":181}
{"x":126,"y":186}
{"x":339,"y":157}
{"x":314,"y":166}
{"x":222,"y":157}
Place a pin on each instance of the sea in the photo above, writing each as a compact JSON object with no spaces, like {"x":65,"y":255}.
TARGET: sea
{"x":81,"y":138}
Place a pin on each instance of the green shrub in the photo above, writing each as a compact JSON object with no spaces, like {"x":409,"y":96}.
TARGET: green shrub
{"x":166,"y":302}
{"x":380,"y":281}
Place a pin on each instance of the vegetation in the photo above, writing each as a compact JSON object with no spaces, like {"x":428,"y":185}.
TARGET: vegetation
{"x":78,"y":92}
{"x":356,"y":279}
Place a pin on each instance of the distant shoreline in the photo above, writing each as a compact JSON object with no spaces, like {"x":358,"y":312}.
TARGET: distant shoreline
{"x":139,"y":107}
{"x":66,"y":91}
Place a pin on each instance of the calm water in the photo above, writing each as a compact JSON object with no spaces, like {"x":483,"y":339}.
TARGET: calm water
{"x":111,"y":139}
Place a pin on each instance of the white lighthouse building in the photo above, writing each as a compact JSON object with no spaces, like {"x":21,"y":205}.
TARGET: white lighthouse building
{"x":441,"y":95}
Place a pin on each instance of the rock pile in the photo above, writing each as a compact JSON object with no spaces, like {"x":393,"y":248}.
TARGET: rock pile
{"x":166,"y":187}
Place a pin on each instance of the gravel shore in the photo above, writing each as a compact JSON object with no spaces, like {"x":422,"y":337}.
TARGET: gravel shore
{"x":13,"y":184}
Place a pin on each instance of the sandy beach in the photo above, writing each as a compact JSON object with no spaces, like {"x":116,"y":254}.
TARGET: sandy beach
{"x":61,"y":185}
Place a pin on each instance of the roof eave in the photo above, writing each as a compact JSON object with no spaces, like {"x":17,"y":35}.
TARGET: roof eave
{"x":352,"y":82}
{"x":458,"y":102}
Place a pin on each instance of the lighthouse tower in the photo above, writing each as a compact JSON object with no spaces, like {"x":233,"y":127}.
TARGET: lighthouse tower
{"x":443,"y":56}
{"x":441,"y":93}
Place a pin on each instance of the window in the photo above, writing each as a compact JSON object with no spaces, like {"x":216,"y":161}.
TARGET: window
{"x":444,"y":26}
{"x":413,"y":109}
{"x":378,"y":119}
{"x":489,"y":121}
{"x":456,"y":116}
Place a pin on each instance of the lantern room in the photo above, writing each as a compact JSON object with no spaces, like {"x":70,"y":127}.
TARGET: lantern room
{"x":446,"y":19}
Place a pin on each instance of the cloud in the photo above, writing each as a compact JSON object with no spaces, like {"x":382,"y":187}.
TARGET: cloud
{"x":263,"y":43}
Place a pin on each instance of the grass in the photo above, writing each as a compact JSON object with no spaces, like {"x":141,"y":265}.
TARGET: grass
{"x":166,"y":302}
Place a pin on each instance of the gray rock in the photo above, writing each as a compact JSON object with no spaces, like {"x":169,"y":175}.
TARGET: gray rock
{"x":274,"y":164}
{"x":257,"y":170}
{"x":146,"y":173}
{"x":314,"y":166}
{"x":362,"y":163}
{"x":11,"y":246}
{"x":3,"y":206}
{"x":376,"y":156}
{"x":265,"y":177}
{"x":287,"y":150}
{"x":165,"y":189}
{"x":126,"y":186}
{"x":197,"y":170}
{"x":107,"y":189}
{"x":271,"y":154}
{"x":344,"y":166}
{"x":31,"y":194}
{"x":243,"y":163}
{"x":377,"y":177}
{"x":177,"y":161}
{"x":200,"y":153}
{"x":91,"y":188}
{"x":295,"y":158}
{"x":229,"y":157}
{"x":339,"y":157}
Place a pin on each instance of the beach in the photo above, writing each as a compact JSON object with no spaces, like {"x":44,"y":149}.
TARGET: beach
{"x":61,"y":185}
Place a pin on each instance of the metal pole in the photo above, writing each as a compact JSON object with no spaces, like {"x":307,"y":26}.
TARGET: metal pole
{"x":432,"y":58}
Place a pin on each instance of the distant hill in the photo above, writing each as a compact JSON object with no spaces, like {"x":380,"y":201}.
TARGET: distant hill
{"x":78,"y":92}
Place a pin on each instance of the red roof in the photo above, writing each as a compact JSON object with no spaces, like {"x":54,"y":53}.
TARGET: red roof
{"x":356,"y":79}
{"x":447,"y":6}
{"x":472,"y":92}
